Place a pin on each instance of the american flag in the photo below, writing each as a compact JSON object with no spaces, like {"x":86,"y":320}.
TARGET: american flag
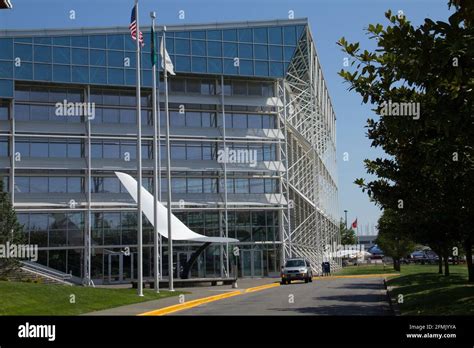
{"x":133,"y":27}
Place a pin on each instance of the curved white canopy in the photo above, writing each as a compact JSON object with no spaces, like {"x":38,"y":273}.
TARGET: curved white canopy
{"x":179,"y":230}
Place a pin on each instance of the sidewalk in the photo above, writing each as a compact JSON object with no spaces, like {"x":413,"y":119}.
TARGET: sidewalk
{"x":193,"y":294}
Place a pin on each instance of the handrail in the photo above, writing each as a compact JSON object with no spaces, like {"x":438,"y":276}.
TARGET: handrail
{"x":46,"y":270}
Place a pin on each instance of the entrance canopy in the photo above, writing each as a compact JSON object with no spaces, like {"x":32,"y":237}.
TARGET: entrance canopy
{"x":179,"y":231}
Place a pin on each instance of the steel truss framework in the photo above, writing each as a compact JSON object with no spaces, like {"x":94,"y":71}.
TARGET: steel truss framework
{"x":309,"y":222}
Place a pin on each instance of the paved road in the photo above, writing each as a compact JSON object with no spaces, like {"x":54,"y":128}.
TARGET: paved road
{"x":343,"y":296}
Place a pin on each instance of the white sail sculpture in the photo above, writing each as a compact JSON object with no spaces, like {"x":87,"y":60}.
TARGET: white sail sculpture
{"x":179,"y":230}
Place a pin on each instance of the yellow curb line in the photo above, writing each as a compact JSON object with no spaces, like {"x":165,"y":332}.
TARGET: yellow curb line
{"x":358,"y":276}
{"x":262,"y":287}
{"x":190,"y":304}
{"x":200,"y":301}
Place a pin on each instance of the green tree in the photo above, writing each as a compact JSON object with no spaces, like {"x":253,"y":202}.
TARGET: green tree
{"x":348,"y":236}
{"x":392,"y":237}
{"x":428,"y":172}
{"x":10,"y":231}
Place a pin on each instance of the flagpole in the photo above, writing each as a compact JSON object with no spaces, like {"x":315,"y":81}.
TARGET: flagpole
{"x":168,"y":166}
{"x":155,"y":151}
{"x":139,"y":163}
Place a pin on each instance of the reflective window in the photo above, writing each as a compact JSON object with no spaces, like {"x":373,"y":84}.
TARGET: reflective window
{"x":245,"y":35}
{"x":198,"y":48}
{"x":214,"y":35}
{"x":276,"y":53}
{"x":183,"y":63}
{"x":6,"y":69}
{"x":62,"y":73}
{"x":43,"y":72}
{"x":38,"y":184}
{"x":198,"y":35}
{"x":214,"y":65}
{"x":246,"y":67}
{"x":230,"y":35}
{"x":7,"y":49}
{"x":199,"y":65}
{"x":289,"y":35}
{"x":116,"y":58}
{"x":62,"y":41}
{"x":24,"y":52}
{"x":230,"y":50}
{"x":115,"y":42}
{"x":42,"y":54}
{"x":261,"y":68}
{"x":97,"y":57}
{"x":182,"y":46}
{"x":97,"y":41}
{"x":214,"y":49}
{"x":62,"y":55}
{"x":245,"y":51}
{"x":261,"y":52}
{"x":275,"y":35}
{"x":80,"y":74}
{"x":79,"y":41}
{"x":260,"y":35}
{"x":276,"y":69}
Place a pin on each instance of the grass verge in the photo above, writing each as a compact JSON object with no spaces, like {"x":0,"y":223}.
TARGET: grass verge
{"x":21,"y":298}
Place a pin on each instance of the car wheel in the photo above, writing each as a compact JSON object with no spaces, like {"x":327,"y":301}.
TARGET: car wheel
{"x":306,"y":280}
{"x":288,"y":281}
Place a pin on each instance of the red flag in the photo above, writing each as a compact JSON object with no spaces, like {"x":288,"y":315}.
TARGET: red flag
{"x":354,"y":224}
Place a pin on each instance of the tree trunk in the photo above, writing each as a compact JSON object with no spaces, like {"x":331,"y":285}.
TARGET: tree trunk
{"x":440,"y":265}
{"x":396,"y":265}
{"x":446,"y":264}
{"x":470,"y":269}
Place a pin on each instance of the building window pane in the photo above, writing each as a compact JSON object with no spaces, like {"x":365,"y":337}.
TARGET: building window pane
{"x":260,"y":35}
{"x":255,"y":121}
{"x":182,"y":46}
{"x":38,"y":184}
{"x":194,"y":185}
{"x":214,"y":65}
{"x":230,"y":35}
{"x":261,"y":52}
{"x":97,"y":41}
{"x":275,"y":35}
{"x":214,"y":35}
{"x":97,"y":57}
{"x":289,"y":35}
{"x":57,"y":150}
{"x":276,"y":53}
{"x":80,"y":74}
{"x":199,"y":65}
{"x":183,"y":63}
{"x":62,"y":73}
{"x":43,"y":72}
{"x":214,"y":49}
{"x":246,"y":67}
{"x":42,"y":54}
{"x":62,"y":55}
{"x":245,"y":35}
{"x":261,"y":68}
{"x":199,"y":48}
{"x":230,"y":50}
{"x":58,"y":185}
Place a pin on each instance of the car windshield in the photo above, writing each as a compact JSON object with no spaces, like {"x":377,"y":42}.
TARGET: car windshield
{"x":294,"y":263}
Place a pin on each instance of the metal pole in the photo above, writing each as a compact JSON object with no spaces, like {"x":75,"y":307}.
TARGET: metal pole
{"x":139,"y":164}
{"x":345,"y":213}
{"x":155,"y":161}
{"x":225,"y":187}
{"x":168,"y":167}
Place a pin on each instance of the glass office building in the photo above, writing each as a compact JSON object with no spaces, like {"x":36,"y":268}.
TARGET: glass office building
{"x":251,"y":87}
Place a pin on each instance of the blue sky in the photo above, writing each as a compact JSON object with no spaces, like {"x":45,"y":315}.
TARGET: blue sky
{"x":329,"y":20}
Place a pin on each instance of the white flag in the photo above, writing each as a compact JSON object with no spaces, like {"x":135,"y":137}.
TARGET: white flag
{"x":166,"y":60}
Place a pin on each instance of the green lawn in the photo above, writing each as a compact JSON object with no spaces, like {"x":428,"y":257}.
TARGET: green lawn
{"x":21,"y":298}
{"x":425,"y":292}
{"x":369,"y":269}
